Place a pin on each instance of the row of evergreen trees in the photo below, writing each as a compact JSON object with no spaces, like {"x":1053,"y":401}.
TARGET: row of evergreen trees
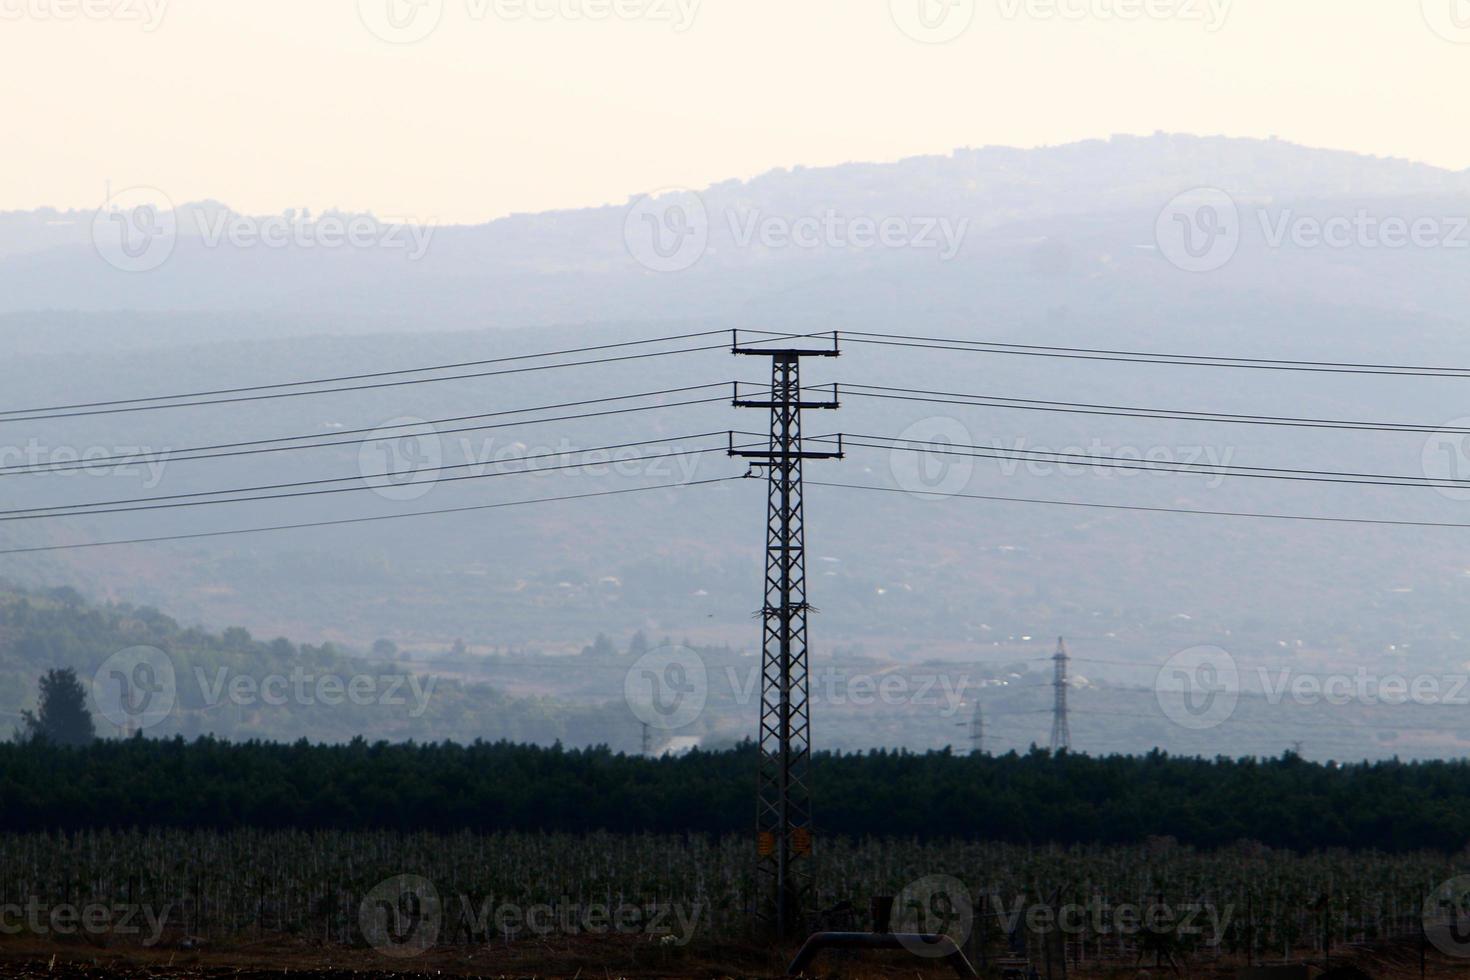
{"x":445,"y":787}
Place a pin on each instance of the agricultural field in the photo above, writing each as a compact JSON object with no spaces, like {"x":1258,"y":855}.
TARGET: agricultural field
{"x":528,"y":904}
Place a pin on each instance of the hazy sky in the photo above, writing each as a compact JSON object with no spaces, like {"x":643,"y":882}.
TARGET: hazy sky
{"x":526,"y":105}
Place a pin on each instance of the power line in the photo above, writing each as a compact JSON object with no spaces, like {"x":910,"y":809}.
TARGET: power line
{"x":1227,"y":728}
{"x":1257,"y":747}
{"x":381,"y":374}
{"x":209,"y":452}
{"x":363,"y":387}
{"x":367,"y":520}
{"x":175,"y":501}
{"x":1155,"y":666}
{"x":120,"y":405}
{"x":337,"y":479}
{"x":1152,"y":466}
{"x":1138,"y":508}
{"x":1148,"y":357}
{"x":1083,"y":408}
{"x":1291,"y":724}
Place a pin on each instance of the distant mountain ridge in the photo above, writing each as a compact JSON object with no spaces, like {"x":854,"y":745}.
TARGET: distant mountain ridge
{"x":563,"y":266}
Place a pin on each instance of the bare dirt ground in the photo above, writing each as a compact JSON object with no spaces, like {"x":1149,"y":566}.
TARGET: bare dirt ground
{"x":584,"y":958}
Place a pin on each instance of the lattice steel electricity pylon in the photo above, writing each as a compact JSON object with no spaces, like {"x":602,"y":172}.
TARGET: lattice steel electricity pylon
{"x":783,"y":794}
{"x":976,"y":724}
{"x":1061,"y":732}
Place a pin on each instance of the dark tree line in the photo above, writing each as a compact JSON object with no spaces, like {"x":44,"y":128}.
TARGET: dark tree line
{"x":1286,"y":802}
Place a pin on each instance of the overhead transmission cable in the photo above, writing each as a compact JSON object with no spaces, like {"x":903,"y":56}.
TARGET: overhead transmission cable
{"x":896,"y":444}
{"x":1148,"y":357}
{"x":273,"y":391}
{"x":1138,"y":508}
{"x":178,"y":500}
{"x":367,"y":520}
{"x":362,"y":387}
{"x":229,"y":450}
{"x":1084,"y":408}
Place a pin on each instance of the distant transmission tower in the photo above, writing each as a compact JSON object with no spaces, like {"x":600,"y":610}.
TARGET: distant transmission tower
{"x":977,"y":730}
{"x":647,"y":740}
{"x":1061,"y":733}
{"x":783,"y":795}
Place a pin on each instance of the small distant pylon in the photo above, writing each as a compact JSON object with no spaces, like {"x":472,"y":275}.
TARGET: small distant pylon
{"x":1061,"y":732}
{"x":977,"y":730}
{"x":647,"y":740}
